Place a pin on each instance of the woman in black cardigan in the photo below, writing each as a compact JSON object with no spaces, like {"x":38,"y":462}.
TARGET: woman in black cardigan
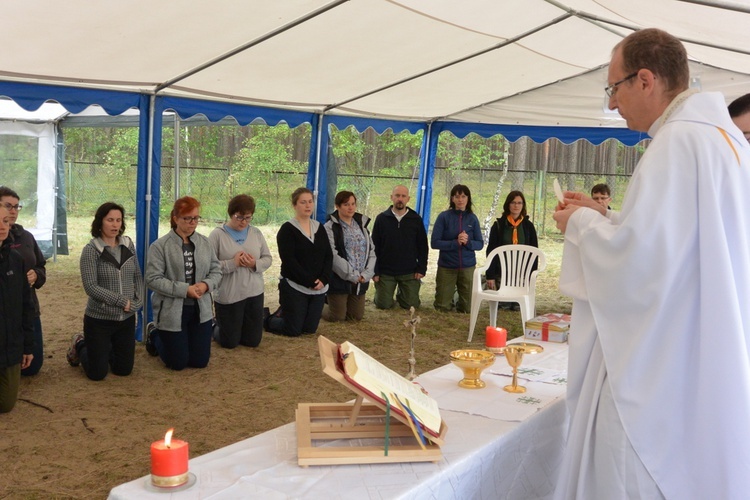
{"x":306,"y":260}
{"x":511,"y":228}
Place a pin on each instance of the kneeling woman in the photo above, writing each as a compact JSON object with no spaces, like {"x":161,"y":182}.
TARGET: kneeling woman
{"x":182,"y":271}
{"x":244,"y":256}
{"x":306,"y":260}
{"x":112,"y":279}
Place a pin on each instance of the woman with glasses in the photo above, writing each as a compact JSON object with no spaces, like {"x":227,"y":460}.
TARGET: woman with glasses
{"x":113,"y":282}
{"x":182,"y":271}
{"x":306,"y":260}
{"x":24,"y":243}
{"x":513,"y":227}
{"x":244,"y":256}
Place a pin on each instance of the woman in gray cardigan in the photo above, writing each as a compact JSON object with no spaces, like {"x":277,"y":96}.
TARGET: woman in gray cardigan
{"x":182,"y":271}
{"x":244,"y":256}
{"x":113,"y":282}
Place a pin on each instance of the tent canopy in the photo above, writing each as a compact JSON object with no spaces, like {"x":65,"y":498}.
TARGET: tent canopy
{"x":515,"y":62}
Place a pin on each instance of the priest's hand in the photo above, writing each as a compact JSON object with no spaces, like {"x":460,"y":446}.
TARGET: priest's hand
{"x":561,"y":216}
{"x":581,"y":200}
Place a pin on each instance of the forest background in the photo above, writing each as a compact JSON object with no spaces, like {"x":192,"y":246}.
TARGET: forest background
{"x":218,"y":162}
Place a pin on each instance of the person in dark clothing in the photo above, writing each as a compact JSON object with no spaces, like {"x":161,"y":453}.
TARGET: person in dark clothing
{"x":456,"y":233}
{"x":601,"y":194}
{"x":353,"y":259}
{"x":512,"y":228}
{"x":17,"y":313}
{"x":306,"y":261}
{"x":24,"y":243}
{"x":401,"y":252}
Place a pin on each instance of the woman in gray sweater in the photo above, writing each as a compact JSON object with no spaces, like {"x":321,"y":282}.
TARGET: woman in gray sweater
{"x":244,"y":256}
{"x":112,"y":279}
{"x":182,"y":271}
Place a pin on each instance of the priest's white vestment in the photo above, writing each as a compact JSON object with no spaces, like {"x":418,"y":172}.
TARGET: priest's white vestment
{"x":660,"y":331}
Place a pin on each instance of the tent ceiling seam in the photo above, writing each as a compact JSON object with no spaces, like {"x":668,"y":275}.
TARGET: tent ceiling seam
{"x":497,"y":46}
{"x":494,"y":101}
{"x":720,"y":5}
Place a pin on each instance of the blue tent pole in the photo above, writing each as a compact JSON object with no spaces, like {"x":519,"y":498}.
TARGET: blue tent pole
{"x":425,"y":164}
{"x":319,"y":164}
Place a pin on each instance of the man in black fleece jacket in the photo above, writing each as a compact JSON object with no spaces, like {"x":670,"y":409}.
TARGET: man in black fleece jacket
{"x":401,"y":253}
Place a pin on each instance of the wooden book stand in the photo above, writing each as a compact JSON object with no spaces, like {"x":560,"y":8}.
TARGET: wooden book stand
{"x":327,"y":422}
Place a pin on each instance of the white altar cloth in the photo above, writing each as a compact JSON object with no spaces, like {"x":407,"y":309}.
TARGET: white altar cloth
{"x":485,"y":455}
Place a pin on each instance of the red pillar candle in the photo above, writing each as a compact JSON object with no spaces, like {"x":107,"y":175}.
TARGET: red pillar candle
{"x":169,"y":461}
{"x":495,"y":336}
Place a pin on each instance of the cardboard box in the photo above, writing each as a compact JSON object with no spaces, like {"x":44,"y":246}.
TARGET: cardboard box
{"x":551,"y":327}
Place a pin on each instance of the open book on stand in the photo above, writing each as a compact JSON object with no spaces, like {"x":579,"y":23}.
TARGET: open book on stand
{"x":385,"y":386}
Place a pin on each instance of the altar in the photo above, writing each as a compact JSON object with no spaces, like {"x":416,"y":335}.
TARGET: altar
{"x":498,"y":445}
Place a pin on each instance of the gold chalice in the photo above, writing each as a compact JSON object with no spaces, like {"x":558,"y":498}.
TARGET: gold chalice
{"x":514,"y":354}
{"x":472,"y":362}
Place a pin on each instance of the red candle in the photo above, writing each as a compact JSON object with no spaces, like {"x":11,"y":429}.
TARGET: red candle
{"x":169,"y":461}
{"x":495,"y":336}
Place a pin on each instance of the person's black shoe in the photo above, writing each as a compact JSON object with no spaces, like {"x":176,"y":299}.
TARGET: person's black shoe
{"x":150,"y":344}
{"x":266,"y":315}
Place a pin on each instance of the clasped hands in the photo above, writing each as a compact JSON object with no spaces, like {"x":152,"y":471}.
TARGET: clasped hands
{"x":244,"y":259}
{"x":463,"y":238}
{"x":196,"y":291}
{"x":572,"y":201}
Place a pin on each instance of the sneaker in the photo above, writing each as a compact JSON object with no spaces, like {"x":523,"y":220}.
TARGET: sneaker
{"x":150,"y":343}
{"x":72,"y":355}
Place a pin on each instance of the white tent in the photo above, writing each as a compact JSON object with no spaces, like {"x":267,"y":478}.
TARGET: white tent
{"x":517,"y":67}
{"x":528,"y":62}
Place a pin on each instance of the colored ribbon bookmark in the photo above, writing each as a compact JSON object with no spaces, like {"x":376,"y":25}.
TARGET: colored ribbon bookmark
{"x":387,"y":422}
{"x":411,"y":419}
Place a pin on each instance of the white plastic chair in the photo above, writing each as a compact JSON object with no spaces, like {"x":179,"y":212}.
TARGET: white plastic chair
{"x":516,"y":282}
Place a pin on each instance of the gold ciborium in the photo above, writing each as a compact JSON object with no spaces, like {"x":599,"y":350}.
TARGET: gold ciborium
{"x":472,"y":362}
{"x":514,"y":354}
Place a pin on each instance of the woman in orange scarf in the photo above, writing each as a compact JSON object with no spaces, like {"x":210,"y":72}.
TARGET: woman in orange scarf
{"x":511,"y":228}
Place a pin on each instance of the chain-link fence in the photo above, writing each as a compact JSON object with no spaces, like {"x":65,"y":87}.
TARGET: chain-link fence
{"x":89,"y":185}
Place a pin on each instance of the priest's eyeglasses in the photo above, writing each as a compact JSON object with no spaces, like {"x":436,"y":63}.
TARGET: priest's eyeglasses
{"x":240,"y":218}
{"x":611,"y":90}
{"x":10,"y":207}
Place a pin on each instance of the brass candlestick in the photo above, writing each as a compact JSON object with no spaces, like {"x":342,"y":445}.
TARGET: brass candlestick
{"x":514,"y":354}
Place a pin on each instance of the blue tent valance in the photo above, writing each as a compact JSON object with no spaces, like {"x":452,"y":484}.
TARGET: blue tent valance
{"x":566,"y":135}
{"x":31,"y":96}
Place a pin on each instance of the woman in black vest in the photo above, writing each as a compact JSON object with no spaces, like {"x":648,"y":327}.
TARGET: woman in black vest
{"x":353,"y":259}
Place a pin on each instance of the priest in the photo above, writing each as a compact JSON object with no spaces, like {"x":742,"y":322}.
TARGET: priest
{"x":659,"y":370}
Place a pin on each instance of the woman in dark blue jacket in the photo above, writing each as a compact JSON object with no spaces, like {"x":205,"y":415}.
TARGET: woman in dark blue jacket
{"x":457,"y":235}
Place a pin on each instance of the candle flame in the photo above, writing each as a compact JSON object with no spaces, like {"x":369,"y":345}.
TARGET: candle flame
{"x":168,"y":438}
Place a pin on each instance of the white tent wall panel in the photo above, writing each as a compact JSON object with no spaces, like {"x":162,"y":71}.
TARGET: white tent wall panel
{"x":45,"y":189}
